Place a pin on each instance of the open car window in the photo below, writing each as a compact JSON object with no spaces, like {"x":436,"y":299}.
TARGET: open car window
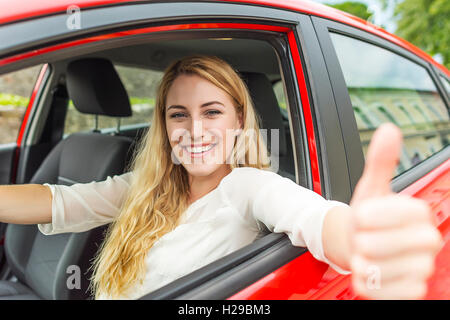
{"x":141,"y":81}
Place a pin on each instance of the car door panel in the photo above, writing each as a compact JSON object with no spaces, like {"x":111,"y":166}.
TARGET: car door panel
{"x":427,"y":180}
{"x":7,"y":152}
{"x":434,"y":188}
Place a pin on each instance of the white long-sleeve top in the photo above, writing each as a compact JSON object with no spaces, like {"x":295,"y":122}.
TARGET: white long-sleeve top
{"x":222,"y":221}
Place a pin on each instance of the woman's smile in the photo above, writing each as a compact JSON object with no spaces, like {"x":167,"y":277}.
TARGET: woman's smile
{"x":198,"y":150}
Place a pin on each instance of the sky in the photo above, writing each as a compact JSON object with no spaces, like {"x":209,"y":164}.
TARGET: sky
{"x":380,"y":16}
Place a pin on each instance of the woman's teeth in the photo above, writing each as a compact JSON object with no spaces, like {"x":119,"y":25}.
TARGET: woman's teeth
{"x":200,"y":149}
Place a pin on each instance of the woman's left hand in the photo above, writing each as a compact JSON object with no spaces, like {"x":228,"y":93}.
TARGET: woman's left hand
{"x":394,"y":240}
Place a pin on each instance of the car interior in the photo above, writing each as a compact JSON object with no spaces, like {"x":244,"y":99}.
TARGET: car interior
{"x":37,"y":264}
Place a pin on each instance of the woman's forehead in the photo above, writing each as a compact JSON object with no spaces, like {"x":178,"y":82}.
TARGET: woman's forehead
{"x":194,"y":91}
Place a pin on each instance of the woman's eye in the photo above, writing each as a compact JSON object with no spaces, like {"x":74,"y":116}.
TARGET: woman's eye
{"x":213,"y":112}
{"x":209,"y":113}
{"x":177,"y":115}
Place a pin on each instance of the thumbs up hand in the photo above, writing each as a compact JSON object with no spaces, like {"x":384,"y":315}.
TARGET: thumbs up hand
{"x":393,"y":239}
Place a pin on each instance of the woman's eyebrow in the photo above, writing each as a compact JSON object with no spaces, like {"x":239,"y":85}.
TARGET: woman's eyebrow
{"x":177,"y":106}
{"x":210,"y":103}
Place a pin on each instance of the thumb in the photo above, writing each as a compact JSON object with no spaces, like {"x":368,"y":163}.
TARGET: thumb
{"x":381,"y":160}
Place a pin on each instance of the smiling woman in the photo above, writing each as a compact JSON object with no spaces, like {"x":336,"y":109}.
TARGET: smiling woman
{"x":175,"y":217}
{"x":190,"y":214}
{"x":184,"y":215}
{"x":170,"y":218}
{"x":183,"y":106}
{"x":214,"y":104}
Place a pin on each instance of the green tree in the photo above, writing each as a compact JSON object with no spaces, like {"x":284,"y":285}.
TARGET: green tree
{"x":426,"y":24}
{"x":355,"y":8}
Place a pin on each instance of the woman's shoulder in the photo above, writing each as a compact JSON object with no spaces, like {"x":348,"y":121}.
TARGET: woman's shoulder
{"x":125,"y":177}
{"x":252,"y":171}
{"x":244,"y":185}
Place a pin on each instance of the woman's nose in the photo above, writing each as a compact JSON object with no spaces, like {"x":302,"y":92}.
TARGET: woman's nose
{"x":196,"y":129}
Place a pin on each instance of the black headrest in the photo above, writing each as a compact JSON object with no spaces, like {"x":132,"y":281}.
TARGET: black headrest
{"x":95,"y":88}
{"x":266,"y":106}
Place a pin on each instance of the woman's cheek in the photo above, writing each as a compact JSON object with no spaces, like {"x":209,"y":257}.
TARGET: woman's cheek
{"x":223,"y":146}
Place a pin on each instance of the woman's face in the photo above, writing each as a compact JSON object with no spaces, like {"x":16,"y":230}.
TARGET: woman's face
{"x":202,"y":124}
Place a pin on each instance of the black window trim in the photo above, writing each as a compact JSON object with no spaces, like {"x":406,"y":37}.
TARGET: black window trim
{"x":440,"y":74}
{"x":333,"y":162}
{"x":352,"y":140}
{"x":23,"y":172}
{"x":268,"y":253}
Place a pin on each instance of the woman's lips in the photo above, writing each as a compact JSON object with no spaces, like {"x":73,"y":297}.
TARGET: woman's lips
{"x":198,"y":152}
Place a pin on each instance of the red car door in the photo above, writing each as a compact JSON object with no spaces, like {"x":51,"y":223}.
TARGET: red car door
{"x":424,"y":169}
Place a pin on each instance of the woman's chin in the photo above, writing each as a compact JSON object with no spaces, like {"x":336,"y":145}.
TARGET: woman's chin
{"x":201,"y":169}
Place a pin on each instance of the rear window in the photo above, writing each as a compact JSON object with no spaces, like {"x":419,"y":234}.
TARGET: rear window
{"x":141,"y":85}
{"x":15,"y":92}
{"x":386,"y":87}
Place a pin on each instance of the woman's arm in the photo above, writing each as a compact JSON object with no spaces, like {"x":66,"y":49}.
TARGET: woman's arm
{"x":61,"y":208}
{"x":84,"y":206}
{"x":284,"y":206}
{"x":25,"y":204}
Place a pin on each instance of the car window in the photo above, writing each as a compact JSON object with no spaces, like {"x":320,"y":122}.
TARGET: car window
{"x":385,"y":87}
{"x":15,"y":91}
{"x":141,"y":86}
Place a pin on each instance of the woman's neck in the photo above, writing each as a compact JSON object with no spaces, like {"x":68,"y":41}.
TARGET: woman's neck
{"x":202,"y":185}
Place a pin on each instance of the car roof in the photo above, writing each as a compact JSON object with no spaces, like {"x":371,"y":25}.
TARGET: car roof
{"x":29,"y":9}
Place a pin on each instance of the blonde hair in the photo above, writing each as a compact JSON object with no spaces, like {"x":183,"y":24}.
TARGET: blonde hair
{"x":159,"y":189}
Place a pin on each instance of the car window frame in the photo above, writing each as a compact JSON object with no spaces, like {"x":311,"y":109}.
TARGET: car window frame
{"x":323,"y":28}
{"x":440,"y":74}
{"x":267,"y":253}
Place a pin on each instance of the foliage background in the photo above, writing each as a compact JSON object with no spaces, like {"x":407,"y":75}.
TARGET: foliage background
{"x":424,"y":23}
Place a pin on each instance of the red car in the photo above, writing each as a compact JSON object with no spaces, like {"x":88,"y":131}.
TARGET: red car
{"x":324,"y":78}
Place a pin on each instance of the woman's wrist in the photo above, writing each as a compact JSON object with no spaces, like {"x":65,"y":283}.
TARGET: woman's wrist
{"x":336,"y":236}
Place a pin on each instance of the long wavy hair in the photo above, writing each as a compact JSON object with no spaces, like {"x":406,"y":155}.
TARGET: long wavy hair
{"x":159,"y":189}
